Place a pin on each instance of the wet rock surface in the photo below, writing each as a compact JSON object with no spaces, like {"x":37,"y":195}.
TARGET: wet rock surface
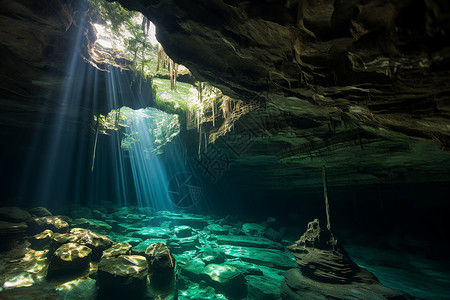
{"x":11,"y":232}
{"x":220,"y":266}
{"x":69,"y":259}
{"x":53,"y":223}
{"x":96,"y":242}
{"x":14,"y":214}
{"x":124,"y":273}
{"x":41,"y":240}
{"x":161,"y":264}
{"x":40,"y":211}
{"x":327,"y":271}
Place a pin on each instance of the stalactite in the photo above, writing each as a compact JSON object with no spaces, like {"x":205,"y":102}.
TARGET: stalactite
{"x":325,"y":193}
{"x":213,"y":114}
{"x":95,"y":144}
{"x":199,"y":141}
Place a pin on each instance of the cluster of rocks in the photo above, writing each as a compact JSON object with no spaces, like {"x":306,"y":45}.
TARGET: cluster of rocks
{"x":216,"y":258}
{"x":139,"y":253}
{"x":78,"y":260}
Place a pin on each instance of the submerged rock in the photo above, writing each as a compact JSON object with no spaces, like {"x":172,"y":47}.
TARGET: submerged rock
{"x":140,"y":248}
{"x":266,"y":257}
{"x":118,"y":238}
{"x":260,"y":287}
{"x":218,"y":229}
{"x":93,"y":225}
{"x":124,"y":274}
{"x":248,"y":241}
{"x":183,"y":231}
{"x":69,"y":259}
{"x":161,"y":269}
{"x":97,"y":242}
{"x":9,"y":233}
{"x":253,"y":229}
{"x":225,"y":279}
{"x":41,"y":240}
{"x":327,"y":271}
{"x":116,"y":250}
{"x":37,"y":291}
{"x":194,"y":221}
{"x":40,"y":211}
{"x":13,"y":214}
{"x":179,"y":245}
{"x":211,"y":255}
{"x":152,"y":233}
{"x":190,"y":267}
{"x":54,"y":223}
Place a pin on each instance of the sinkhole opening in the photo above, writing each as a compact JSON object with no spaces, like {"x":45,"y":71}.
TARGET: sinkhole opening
{"x":147,"y":129}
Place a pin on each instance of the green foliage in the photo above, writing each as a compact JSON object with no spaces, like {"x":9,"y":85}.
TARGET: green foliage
{"x":129,"y":30}
{"x":158,"y":126}
{"x":114,"y":120}
{"x":111,"y":12}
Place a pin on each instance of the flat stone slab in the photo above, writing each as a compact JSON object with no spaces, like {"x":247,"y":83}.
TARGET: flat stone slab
{"x":152,"y":233}
{"x":248,"y":241}
{"x":92,"y":224}
{"x":267,"y":257}
{"x":141,"y":247}
{"x":225,"y":279}
{"x":260,"y":287}
{"x":197,"y":222}
{"x":125,"y":239}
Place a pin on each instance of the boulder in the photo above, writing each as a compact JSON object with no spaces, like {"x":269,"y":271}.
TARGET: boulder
{"x":217,"y":229}
{"x":54,"y":223}
{"x":183,"y":231}
{"x":40,"y":211}
{"x":179,"y":245}
{"x":122,"y":275}
{"x":116,"y":250}
{"x":161,"y":268}
{"x":253,"y":229}
{"x":13,"y":214}
{"x":97,"y":242}
{"x":41,"y":240}
{"x":93,"y":225}
{"x":9,"y":233}
{"x":69,"y":259}
{"x":225,"y":279}
{"x":211,"y":255}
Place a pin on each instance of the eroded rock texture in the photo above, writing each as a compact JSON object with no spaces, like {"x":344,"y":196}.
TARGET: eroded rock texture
{"x":346,"y":82}
{"x":372,"y":60}
{"x":327,"y":271}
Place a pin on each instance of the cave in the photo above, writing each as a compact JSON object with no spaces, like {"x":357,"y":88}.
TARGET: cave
{"x":221,"y":149}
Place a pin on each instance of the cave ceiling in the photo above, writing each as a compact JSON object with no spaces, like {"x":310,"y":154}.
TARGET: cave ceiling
{"x":362,"y":87}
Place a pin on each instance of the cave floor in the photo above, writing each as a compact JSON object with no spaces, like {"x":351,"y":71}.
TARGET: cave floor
{"x":217,"y":258}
